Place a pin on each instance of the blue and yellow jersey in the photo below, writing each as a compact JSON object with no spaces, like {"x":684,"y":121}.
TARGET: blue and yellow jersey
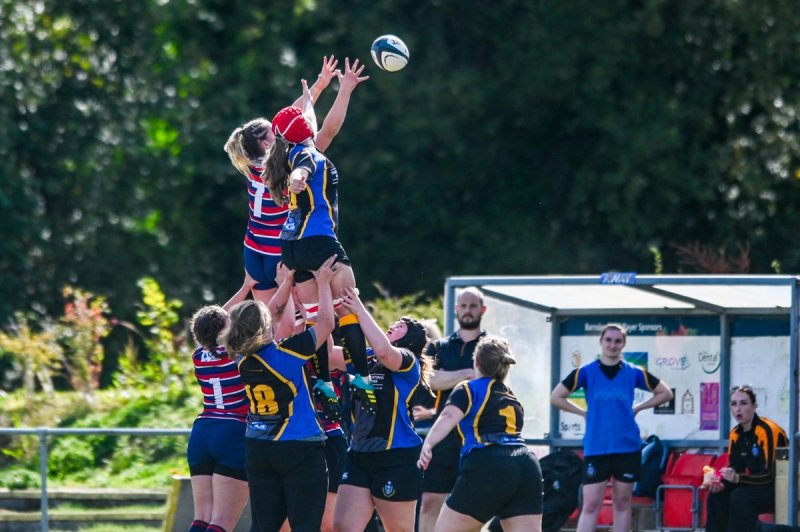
{"x":493,"y":415}
{"x":390,"y":426}
{"x":276,"y":383}
{"x":315,"y":211}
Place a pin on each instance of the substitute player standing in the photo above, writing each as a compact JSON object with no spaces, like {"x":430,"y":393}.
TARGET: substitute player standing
{"x":612,"y":444}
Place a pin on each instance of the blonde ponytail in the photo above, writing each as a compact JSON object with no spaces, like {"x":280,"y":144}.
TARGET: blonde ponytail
{"x":235,"y":150}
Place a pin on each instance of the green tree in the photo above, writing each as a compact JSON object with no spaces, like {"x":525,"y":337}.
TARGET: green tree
{"x":524,"y":137}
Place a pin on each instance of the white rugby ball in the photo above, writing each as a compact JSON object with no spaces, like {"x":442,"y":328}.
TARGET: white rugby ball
{"x":390,"y":53}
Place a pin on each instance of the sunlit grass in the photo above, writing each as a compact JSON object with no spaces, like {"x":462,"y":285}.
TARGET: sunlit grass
{"x":74,"y":507}
{"x":113,"y":528}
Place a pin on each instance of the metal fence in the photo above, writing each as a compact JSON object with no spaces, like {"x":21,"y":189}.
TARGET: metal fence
{"x":44,"y":432}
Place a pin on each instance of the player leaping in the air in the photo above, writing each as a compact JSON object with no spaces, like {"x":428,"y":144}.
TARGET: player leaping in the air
{"x":296,"y":165}
{"x":247,"y":148}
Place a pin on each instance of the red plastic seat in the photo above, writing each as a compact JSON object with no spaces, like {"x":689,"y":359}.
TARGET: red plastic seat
{"x":606,"y":516}
{"x":679,"y":507}
{"x":767,"y":518}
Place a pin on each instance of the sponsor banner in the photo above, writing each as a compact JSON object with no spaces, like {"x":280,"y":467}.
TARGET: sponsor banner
{"x":644,"y":325}
{"x":709,"y":406}
{"x":685,"y":354}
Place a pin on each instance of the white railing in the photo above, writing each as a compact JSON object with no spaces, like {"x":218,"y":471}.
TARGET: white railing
{"x":44,"y":432}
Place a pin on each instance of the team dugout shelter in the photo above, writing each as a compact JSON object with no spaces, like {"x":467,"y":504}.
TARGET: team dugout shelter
{"x":701,"y":334}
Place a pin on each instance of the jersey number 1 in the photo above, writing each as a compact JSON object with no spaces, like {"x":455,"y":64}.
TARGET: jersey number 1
{"x":511,"y":419}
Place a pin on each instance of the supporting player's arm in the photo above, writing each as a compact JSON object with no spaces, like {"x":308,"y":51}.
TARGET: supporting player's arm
{"x":443,"y":426}
{"x":281,"y":306}
{"x":389,"y":355}
{"x":325,"y":320}
{"x":241,"y":294}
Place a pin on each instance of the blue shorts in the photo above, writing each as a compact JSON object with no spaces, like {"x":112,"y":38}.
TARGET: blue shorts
{"x":262,"y":268}
{"x":216,"y":446}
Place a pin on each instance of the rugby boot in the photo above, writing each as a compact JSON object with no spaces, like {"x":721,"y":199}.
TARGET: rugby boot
{"x":325,"y":396}
{"x":362,"y":388}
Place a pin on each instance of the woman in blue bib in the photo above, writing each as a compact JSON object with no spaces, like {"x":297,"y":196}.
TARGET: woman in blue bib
{"x":612,"y":445}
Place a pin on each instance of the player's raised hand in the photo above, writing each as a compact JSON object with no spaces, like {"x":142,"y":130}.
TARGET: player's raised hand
{"x":328,"y":71}
{"x":352,"y":75}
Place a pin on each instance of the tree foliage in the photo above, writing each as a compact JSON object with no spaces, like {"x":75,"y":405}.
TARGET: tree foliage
{"x":524,"y":137}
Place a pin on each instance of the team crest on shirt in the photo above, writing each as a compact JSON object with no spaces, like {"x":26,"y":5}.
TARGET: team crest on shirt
{"x":590,"y":470}
{"x":388,"y":489}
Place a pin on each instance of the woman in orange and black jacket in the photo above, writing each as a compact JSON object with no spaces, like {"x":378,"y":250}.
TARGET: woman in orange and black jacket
{"x":748,"y":483}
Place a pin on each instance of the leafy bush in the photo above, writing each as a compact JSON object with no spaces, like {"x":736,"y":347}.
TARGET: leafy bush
{"x":135,"y":461}
{"x":70,"y":455}
{"x":387,"y":308}
{"x":17,"y":478}
{"x":32,"y":350}
{"x":81,"y":328}
{"x":160,"y":317}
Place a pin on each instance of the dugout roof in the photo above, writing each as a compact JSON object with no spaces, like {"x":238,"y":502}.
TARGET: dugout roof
{"x":622,"y":293}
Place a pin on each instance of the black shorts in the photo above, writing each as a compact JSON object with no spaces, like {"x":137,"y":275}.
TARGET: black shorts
{"x":501,"y":480}
{"x":391,"y":475}
{"x":335,"y":453}
{"x":310,"y":253}
{"x":442,"y":472}
{"x":624,"y":467}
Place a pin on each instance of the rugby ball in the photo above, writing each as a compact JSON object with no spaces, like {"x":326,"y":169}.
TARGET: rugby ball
{"x":390,"y":53}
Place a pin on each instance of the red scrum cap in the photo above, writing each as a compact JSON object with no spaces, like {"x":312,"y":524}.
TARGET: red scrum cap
{"x":291,"y":125}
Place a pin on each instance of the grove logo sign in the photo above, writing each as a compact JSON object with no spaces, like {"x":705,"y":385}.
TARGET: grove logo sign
{"x":710,"y":362}
{"x":681,"y":362}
